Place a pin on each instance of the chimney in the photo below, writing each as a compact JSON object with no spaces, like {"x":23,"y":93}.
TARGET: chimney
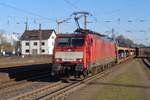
{"x":40,"y":26}
{"x":26,"y":24}
{"x":26,"y":27}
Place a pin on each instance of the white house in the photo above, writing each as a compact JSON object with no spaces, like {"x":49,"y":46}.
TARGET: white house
{"x":37,"y":42}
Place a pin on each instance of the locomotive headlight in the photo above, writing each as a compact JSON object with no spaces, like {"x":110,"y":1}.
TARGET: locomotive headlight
{"x":58,"y":59}
{"x":79,"y":59}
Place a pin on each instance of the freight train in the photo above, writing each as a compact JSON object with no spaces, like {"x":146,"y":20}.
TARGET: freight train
{"x":143,"y":52}
{"x":86,"y":52}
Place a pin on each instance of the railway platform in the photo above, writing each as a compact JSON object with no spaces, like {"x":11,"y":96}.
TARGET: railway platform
{"x":17,"y":61}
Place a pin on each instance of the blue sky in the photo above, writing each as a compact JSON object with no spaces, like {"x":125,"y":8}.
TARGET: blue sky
{"x":134,"y":16}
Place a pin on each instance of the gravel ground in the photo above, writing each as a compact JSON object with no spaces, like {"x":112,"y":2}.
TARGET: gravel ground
{"x":129,"y":81}
{"x":36,"y":85}
{"x":4,"y":77}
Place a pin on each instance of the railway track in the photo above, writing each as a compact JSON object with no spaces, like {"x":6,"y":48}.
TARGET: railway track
{"x":38,"y":92}
{"x":10,"y":87}
{"x":147,"y":62}
{"x":12,"y":82}
{"x":63,"y":93}
{"x":59,"y":90}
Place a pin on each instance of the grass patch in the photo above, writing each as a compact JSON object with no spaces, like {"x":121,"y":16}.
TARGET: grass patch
{"x":122,"y":88}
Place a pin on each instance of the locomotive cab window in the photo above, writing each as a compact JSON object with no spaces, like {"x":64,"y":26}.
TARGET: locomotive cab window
{"x":69,"y":41}
{"x":63,"y":41}
{"x":77,"y":41}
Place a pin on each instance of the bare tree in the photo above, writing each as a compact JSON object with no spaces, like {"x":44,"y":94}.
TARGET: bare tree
{"x":4,"y":44}
{"x":124,"y":42}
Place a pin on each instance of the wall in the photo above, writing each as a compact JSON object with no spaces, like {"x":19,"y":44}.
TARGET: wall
{"x":51,"y":42}
{"x":32,"y":46}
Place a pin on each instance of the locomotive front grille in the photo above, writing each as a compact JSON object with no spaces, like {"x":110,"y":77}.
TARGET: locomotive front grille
{"x":69,"y":56}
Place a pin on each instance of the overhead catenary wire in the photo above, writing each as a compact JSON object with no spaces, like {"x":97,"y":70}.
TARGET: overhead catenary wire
{"x":77,"y":8}
{"x":71,"y":4}
{"x":24,"y":11}
{"x":42,"y":17}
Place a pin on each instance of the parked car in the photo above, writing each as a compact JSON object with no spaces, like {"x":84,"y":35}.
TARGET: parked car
{"x":7,"y":54}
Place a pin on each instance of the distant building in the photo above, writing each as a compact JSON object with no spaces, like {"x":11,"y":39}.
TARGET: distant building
{"x":37,"y":42}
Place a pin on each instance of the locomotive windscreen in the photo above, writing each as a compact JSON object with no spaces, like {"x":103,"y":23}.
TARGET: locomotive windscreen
{"x":70,"y":41}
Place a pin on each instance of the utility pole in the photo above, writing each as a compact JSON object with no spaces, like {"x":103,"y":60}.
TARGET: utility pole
{"x":85,"y":21}
{"x":113,"y":35}
{"x":58,"y":25}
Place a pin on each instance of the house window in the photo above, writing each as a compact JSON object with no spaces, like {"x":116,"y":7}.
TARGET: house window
{"x":43,"y":50}
{"x":27,"y":43}
{"x":43,"y":43}
{"x":27,"y":51}
{"x":35,"y":43}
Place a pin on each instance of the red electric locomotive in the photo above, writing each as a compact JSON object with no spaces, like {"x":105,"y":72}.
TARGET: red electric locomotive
{"x":82,"y":53}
